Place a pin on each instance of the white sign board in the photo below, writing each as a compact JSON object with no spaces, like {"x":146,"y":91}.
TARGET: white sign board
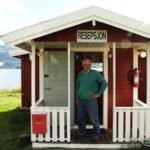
{"x":91,"y":36}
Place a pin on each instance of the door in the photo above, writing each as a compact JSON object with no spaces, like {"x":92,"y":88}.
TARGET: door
{"x":97,"y":64}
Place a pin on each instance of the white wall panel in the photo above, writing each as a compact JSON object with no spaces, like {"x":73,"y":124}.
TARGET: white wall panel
{"x":55,"y":80}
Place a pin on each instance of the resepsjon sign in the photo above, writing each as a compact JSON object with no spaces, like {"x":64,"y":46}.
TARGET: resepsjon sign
{"x":91,"y":36}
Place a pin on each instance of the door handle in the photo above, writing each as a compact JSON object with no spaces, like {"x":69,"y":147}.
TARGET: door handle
{"x":48,"y":89}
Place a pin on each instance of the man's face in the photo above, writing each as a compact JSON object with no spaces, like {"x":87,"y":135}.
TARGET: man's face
{"x":86,"y":65}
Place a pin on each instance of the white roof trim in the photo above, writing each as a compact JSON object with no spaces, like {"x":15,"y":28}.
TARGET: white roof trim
{"x":17,"y":52}
{"x":75,"y":18}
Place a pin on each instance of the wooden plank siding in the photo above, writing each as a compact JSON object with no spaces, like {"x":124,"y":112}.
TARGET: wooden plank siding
{"x":26,"y":80}
{"x":114,"y":34}
{"x":124,"y":91}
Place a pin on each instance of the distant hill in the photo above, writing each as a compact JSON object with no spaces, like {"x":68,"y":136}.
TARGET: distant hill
{"x":9,"y":62}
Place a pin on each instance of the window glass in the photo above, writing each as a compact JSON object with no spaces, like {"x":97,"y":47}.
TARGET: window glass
{"x":97,"y":66}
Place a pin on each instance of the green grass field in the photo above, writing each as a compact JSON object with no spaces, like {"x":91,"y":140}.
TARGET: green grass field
{"x":13,"y":120}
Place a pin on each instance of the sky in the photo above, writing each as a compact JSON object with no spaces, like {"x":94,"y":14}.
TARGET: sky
{"x":16,"y":14}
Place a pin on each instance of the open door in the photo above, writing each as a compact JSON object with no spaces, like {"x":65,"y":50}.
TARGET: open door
{"x":97,"y":64}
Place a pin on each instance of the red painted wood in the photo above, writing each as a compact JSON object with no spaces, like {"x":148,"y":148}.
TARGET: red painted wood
{"x":114,"y":34}
{"x":37,"y":79}
{"x":26,"y":80}
{"x":124,"y":91}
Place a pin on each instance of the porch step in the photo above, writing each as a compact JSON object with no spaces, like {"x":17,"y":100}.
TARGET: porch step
{"x":67,"y":146}
{"x":76,"y":143}
{"x":71,"y":149}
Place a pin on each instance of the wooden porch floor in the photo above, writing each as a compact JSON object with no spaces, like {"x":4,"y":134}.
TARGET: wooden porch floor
{"x":105,"y":137}
{"x":105,"y":142}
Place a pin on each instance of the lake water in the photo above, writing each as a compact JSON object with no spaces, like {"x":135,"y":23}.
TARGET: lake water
{"x":10,"y":78}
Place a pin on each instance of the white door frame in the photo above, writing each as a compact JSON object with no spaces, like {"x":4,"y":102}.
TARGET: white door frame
{"x":105,"y":49}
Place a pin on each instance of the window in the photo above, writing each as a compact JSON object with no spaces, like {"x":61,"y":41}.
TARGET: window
{"x":97,"y":66}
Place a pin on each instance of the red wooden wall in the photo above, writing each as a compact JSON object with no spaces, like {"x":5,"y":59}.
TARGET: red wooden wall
{"x":124,"y":90}
{"x":114,"y":34}
{"x":26,"y":80}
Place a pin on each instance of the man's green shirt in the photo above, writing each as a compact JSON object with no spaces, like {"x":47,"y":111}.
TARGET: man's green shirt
{"x":90,"y":83}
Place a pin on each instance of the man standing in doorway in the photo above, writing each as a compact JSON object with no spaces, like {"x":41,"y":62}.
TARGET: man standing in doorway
{"x":87,"y":93}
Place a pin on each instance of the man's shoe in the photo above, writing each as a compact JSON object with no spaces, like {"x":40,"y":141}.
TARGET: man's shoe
{"x":82,"y":135}
{"x":96,"y":139}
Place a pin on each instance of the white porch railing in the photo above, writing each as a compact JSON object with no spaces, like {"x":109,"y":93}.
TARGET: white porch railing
{"x":131,"y":124}
{"x":58,"y":124}
{"x":139,"y":103}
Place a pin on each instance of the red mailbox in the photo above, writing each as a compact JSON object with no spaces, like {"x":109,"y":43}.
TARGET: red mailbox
{"x":39,"y":123}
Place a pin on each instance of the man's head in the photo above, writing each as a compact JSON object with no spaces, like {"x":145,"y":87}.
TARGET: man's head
{"x":86,"y":64}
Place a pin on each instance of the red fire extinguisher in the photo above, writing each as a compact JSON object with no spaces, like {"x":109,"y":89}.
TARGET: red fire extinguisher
{"x":136,"y":78}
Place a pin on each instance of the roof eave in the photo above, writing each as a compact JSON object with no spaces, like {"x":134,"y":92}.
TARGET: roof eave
{"x":76,"y":18}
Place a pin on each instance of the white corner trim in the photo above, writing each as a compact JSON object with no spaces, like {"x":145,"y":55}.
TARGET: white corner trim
{"x":148,"y":77}
{"x":114,"y":74}
{"x":41,"y":73}
{"x":105,"y":99}
{"x":69,"y":75}
{"x":33,"y":66}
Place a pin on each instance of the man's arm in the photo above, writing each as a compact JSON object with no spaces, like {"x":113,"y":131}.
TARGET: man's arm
{"x":103,"y":86}
{"x":103,"y":83}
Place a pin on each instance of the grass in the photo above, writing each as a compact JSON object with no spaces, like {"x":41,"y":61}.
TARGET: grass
{"x":13,"y":120}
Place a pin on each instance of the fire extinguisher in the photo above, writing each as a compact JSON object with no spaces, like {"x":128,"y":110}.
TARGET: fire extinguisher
{"x":136,"y":78}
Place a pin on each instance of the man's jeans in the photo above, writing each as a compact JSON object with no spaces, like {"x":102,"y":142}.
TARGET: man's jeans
{"x":88,"y":107}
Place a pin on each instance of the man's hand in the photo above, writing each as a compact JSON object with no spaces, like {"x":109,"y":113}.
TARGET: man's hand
{"x":95,"y":96}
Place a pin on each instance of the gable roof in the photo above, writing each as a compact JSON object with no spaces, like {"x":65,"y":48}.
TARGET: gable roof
{"x":75,"y":18}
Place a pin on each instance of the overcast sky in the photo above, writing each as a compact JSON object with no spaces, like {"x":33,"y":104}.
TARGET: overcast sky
{"x":16,"y":14}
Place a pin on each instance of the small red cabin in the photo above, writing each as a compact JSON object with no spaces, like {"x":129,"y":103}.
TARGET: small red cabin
{"x":116,"y":44}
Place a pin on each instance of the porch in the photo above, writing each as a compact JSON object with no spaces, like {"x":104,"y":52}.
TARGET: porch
{"x":129,"y":123}
{"x":59,"y":130}
{"x":61,"y":134}
{"x":130,"y":127}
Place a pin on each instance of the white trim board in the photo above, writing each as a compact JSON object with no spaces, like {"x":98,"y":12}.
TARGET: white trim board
{"x":76,"y":18}
{"x":17,"y":52}
{"x":82,"y":146}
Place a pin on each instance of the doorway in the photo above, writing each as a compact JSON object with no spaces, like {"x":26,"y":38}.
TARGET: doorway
{"x":97,"y":64}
